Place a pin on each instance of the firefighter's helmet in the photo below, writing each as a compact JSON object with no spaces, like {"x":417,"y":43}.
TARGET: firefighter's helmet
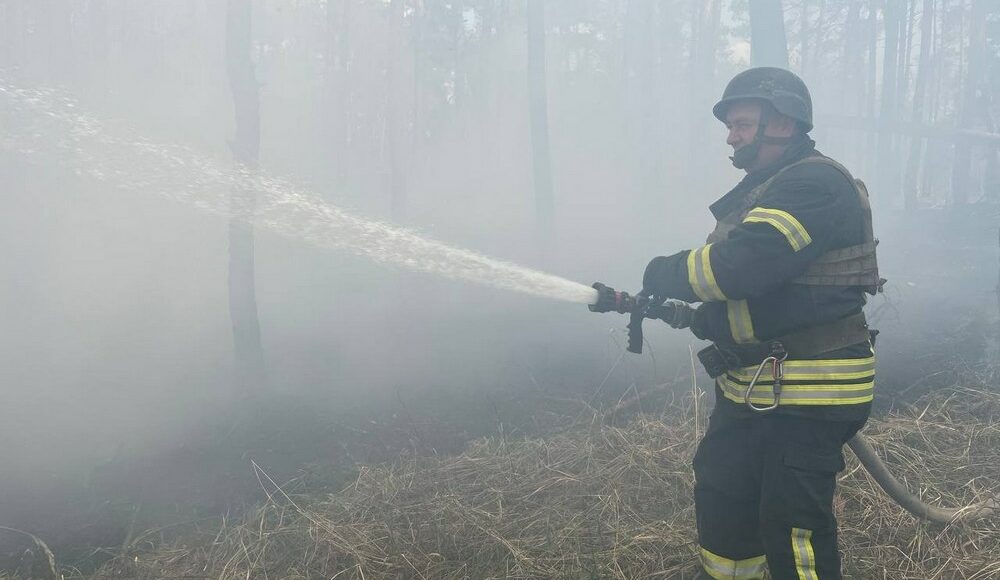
{"x":783,"y":89}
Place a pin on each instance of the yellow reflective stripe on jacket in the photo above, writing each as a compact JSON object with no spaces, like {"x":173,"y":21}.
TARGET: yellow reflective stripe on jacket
{"x":700,"y":275}
{"x":725,"y":569}
{"x":784,"y":222}
{"x":805,"y":558}
{"x":740,"y":324}
{"x":807,"y":382}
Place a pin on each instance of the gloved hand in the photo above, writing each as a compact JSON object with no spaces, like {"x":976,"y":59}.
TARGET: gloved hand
{"x":657,"y":271}
{"x":676,"y":313}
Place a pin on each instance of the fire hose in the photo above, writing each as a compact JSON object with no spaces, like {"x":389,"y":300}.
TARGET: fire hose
{"x":679,"y":315}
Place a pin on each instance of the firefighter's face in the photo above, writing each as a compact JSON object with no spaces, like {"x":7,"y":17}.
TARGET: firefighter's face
{"x":742,"y":120}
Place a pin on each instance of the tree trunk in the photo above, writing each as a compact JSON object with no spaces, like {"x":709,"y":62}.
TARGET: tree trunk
{"x":910,"y":192}
{"x":817,"y":37}
{"x":937,"y":77}
{"x":906,"y":43}
{"x":702,"y":80}
{"x":871,"y":86}
{"x":853,"y":65}
{"x":644,"y":95}
{"x":972,"y":103}
{"x":538,"y":105}
{"x":249,"y":356}
{"x":903,"y":74}
{"x":697,"y":7}
{"x":768,"y":46}
{"x":694,"y":79}
{"x":887,"y":170}
{"x":804,"y":37}
{"x":934,"y":82}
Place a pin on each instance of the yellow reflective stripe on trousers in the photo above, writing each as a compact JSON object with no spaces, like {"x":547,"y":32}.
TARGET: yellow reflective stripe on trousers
{"x":700,"y":275}
{"x":807,"y":382}
{"x":784,"y":222}
{"x":725,"y":569}
{"x":740,"y":324}
{"x":805,"y":558}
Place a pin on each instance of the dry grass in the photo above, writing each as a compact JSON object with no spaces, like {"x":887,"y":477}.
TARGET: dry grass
{"x":946,"y":448}
{"x":597,"y":501}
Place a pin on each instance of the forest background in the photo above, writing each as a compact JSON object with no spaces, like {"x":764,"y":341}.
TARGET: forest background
{"x":571,"y":135}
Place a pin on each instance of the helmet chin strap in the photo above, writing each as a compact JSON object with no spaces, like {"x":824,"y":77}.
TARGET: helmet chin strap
{"x":746,"y":155}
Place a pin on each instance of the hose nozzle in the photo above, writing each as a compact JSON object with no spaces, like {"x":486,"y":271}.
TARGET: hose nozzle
{"x":611,"y":300}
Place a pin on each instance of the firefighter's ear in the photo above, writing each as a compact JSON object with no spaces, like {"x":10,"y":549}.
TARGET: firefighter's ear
{"x":779,"y":125}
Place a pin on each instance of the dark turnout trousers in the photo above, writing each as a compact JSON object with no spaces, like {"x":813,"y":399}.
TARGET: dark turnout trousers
{"x":764,"y":495}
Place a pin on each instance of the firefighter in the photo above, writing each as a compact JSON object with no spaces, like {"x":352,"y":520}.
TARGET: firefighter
{"x":781,"y":282}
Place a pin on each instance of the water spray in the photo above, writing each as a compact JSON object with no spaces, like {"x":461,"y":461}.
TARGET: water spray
{"x":45,"y":123}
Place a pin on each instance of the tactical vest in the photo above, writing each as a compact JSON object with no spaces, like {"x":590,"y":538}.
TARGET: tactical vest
{"x":851,"y":266}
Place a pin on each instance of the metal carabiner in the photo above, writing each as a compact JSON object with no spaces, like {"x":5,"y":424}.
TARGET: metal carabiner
{"x":777,"y":360}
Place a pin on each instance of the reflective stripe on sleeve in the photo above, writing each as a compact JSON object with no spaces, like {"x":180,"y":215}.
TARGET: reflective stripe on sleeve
{"x":700,"y":275}
{"x":805,"y":558}
{"x":740,"y":323}
{"x":784,"y":222}
{"x":725,"y":569}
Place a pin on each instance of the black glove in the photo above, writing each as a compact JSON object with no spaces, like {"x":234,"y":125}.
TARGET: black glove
{"x":676,"y":313}
{"x":699,"y":324}
{"x":657,"y":272}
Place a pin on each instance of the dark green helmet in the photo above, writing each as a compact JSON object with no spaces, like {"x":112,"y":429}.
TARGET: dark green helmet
{"x":781,"y":88}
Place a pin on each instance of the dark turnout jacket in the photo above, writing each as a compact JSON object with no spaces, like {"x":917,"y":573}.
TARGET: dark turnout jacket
{"x":745,"y":280}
